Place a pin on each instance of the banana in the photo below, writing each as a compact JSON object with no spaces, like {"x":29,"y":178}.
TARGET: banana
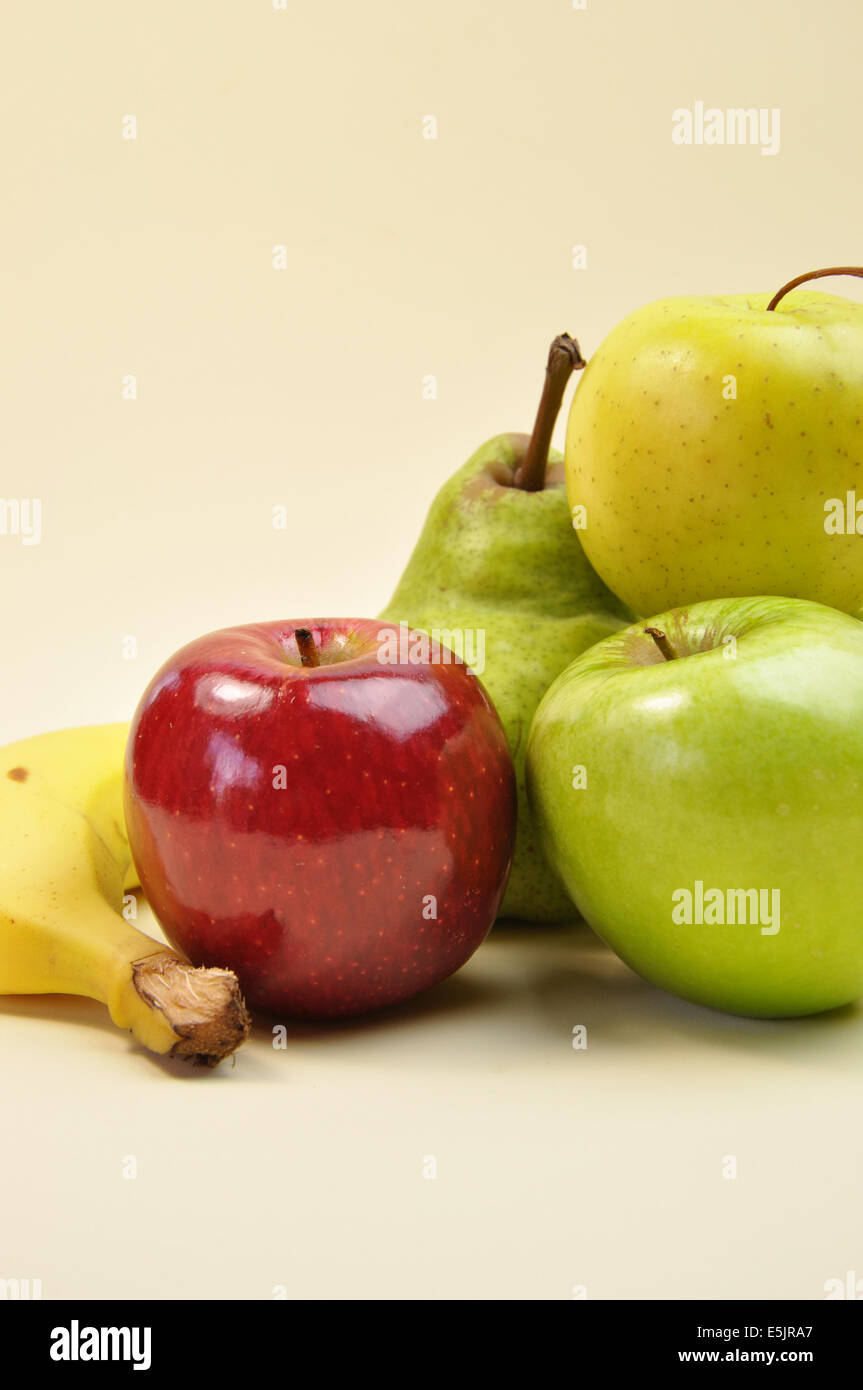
{"x":65,"y":864}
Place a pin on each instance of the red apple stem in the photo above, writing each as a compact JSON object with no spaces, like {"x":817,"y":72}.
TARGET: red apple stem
{"x":309,"y":654}
{"x":814,"y":275}
{"x":662,"y":642}
{"x":564,"y":358}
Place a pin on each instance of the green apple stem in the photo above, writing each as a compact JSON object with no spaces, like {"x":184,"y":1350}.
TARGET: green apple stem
{"x":564,"y":358}
{"x":662,"y":642}
{"x":814,"y":275}
{"x":309,"y":654}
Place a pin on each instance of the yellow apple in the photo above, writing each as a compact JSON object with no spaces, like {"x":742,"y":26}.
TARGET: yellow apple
{"x":715,"y":450}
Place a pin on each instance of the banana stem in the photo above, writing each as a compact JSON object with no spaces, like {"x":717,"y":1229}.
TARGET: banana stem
{"x":172,"y":1007}
{"x":201,"y":1008}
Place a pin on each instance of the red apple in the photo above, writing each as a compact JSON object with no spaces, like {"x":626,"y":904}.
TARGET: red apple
{"x":310,"y":808}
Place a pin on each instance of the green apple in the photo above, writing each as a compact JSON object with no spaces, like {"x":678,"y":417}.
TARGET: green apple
{"x":698,"y":785}
{"x":715,"y":445}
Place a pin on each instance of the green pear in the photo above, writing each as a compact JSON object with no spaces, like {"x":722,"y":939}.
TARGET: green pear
{"x":499,"y":572}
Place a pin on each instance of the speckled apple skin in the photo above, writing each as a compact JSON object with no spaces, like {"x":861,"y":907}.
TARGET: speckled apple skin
{"x":739,"y":766}
{"x":493,"y":557}
{"x":317,"y":830}
{"x":692,"y":494}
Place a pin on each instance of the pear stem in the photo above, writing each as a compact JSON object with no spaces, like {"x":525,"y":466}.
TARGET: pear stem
{"x":309,"y":654}
{"x":814,"y":275}
{"x":662,"y":642}
{"x":564,"y":358}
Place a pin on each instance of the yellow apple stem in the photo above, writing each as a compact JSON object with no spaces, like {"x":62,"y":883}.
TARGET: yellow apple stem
{"x":564,"y":358}
{"x":814,"y":275}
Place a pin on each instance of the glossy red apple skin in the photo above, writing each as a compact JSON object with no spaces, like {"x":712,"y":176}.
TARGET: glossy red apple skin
{"x":398,"y":800}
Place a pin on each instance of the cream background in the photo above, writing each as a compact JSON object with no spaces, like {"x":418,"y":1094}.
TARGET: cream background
{"x":303,"y":388}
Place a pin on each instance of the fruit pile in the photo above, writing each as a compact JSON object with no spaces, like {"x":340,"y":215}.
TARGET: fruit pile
{"x":626,"y":684}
